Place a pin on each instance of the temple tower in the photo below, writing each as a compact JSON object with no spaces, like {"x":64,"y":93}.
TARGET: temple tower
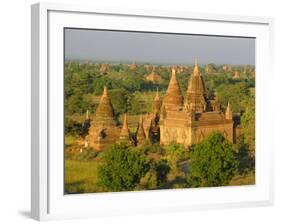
{"x":228,"y":112}
{"x":173,"y":99}
{"x":104,"y":114}
{"x":156,"y":104}
{"x":125,"y":133}
{"x":103,"y":130}
{"x":196,"y":92}
{"x":140,"y":134}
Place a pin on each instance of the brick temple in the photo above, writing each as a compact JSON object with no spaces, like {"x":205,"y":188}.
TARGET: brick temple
{"x":184,"y":119}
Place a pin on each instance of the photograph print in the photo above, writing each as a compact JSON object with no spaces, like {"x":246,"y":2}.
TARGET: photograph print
{"x":154,"y":111}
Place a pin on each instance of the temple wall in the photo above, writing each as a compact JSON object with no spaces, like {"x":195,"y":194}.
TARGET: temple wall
{"x":180,"y":135}
{"x":201,"y":132}
{"x":111,"y":135}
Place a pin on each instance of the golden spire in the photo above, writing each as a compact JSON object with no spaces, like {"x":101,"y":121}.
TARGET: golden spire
{"x":104,"y":114}
{"x":173,"y":71}
{"x":140,"y":132}
{"x":228,"y":112}
{"x":87,"y":115}
{"x":173,"y":97}
{"x":125,"y":133}
{"x":156,"y":104}
{"x":157,"y":95}
{"x":196,"y":70}
{"x":105,"y":92}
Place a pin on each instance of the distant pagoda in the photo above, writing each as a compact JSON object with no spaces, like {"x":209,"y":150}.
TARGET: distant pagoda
{"x":153,"y":77}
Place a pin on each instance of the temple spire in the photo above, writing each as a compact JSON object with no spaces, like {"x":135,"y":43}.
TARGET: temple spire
{"x":228,"y":112}
{"x":157,"y":95}
{"x":196,"y":70}
{"x":105,"y":92}
{"x":125,"y":133}
{"x":87,"y":115}
{"x":104,"y":114}
{"x":140,"y":135}
{"x":173,"y":98}
{"x":156,"y":104}
{"x":196,"y":92}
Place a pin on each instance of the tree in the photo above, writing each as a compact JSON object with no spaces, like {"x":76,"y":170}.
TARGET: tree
{"x":174,"y":154}
{"x":119,"y":99}
{"x":212,"y":162}
{"x":248,"y":126}
{"x":122,"y":168}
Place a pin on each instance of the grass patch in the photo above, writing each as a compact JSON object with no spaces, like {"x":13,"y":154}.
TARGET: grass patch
{"x":243,"y":179}
{"x":81,"y":177}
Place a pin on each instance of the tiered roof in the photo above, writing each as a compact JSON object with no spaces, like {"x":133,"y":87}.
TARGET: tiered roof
{"x":173,"y":98}
{"x":104,"y":114}
{"x":196,"y":91}
{"x":196,"y":83}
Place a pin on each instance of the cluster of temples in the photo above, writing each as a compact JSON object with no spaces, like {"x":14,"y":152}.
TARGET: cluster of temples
{"x":184,"y":119}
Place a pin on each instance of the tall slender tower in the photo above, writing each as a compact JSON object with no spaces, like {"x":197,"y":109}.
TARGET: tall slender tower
{"x":125,"y":133}
{"x":228,"y":112}
{"x":140,"y":135}
{"x":156,"y":104}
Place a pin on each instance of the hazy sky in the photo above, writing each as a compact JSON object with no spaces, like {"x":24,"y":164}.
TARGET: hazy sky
{"x":156,"y":48}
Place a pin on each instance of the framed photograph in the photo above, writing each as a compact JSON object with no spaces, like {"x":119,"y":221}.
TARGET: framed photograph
{"x":139,"y":111}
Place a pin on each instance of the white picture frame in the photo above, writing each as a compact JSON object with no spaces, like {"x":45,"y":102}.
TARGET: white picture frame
{"x":48,"y":201}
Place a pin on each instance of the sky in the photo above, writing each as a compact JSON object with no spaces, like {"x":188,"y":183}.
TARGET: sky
{"x":156,"y":48}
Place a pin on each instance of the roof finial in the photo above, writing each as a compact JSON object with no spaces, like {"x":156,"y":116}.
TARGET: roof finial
{"x":105,"y":91}
{"x":173,"y":70}
{"x":196,"y":68}
{"x":87,"y":114}
{"x":228,"y":112}
{"x":157,"y":97}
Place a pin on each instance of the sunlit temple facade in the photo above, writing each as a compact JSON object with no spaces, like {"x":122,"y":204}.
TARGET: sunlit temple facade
{"x":181,"y":118}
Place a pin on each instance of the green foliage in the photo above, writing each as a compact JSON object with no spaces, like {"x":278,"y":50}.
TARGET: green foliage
{"x":212,"y":162}
{"x":244,"y":156}
{"x":234,"y":94}
{"x":248,"y":126}
{"x":162,"y":169}
{"x":122,"y":168}
{"x":81,"y":177}
{"x":149,"y":181}
{"x":76,"y":128}
{"x":168,"y":166}
{"x":174,"y":153}
{"x":120,"y":100}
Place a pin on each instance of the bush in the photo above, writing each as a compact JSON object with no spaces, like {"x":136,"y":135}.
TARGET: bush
{"x":212,"y":162}
{"x":122,"y":168}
